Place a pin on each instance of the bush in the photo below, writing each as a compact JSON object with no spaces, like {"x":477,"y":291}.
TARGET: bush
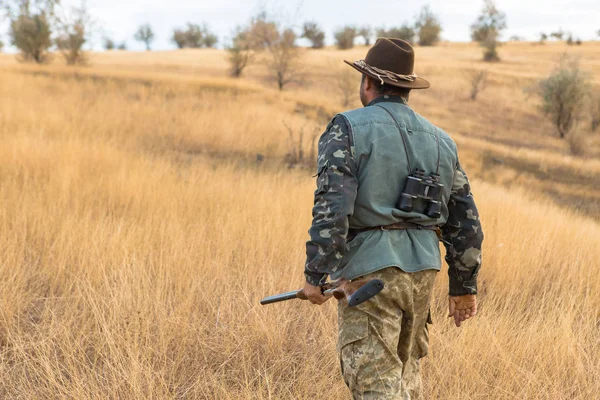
{"x":595,"y":110}
{"x":315,"y":34}
{"x":404,"y":32}
{"x":563,"y":94}
{"x":486,"y":30}
{"x":428,"y":27}
{"x":345,"y":36}
{"x":31,"y":34}
{"x":477,"y":80}
{"x":122,"y":46}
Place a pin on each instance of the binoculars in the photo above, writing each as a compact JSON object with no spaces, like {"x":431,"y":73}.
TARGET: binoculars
{"x":427,"y":188}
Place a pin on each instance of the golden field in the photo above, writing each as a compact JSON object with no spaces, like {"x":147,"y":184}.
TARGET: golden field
{"x":138,"y":231}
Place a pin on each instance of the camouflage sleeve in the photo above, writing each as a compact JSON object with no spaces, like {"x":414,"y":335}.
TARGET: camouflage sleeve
{"x":462,"y":236}
{"x":334,"y":201}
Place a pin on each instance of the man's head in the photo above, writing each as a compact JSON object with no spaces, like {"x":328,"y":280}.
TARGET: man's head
{"x":371,"y":88}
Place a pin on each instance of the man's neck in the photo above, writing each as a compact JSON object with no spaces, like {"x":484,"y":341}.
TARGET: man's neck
{"x":392,"y":98}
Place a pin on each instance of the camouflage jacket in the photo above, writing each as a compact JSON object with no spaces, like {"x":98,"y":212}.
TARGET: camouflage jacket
{"x":337,"y":187}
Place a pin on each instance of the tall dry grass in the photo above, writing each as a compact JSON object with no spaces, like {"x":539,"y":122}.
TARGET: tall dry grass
{"x":137,"y":234}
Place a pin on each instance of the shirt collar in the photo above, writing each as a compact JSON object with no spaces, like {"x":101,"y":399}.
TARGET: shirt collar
{"x":388,"y":98}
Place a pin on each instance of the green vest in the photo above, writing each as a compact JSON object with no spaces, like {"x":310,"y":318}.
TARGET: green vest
{"x":382,"y":170}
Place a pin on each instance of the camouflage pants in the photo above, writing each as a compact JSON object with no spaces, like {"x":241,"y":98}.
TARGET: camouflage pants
{"x":382,"y":340}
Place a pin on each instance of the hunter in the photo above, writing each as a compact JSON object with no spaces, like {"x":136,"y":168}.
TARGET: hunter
{"x":389,"y":187}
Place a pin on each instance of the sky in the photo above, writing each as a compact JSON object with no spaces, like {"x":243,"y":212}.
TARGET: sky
{"x":526,"y":18}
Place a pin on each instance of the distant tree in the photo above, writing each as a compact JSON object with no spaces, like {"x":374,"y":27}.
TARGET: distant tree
{"x":366,"y":32}
{"x":194,"y":36}
{"x":75,"y":29}
{"x":543,"y":37}
{"x":345,"y":36}
{"x":109,"y":44}
{"x":32,"y":35}
{"x":563,"y":94}
{"x":516,"y":38}
{"x":578,"y":42}
{"x":279,"y":43}
{"x":315,"y":34}
{"x":598,"y":33}
{"x":122,"y":46}
{"x":404,"y":32}
{"x":486,"y":30}
{"x":240,"y":53}
{"x":145,"y":34}
{"x":570,"y":40}
{"x":558,"y":35}
{"x":428,"y":27}
{"x":1,"y":46}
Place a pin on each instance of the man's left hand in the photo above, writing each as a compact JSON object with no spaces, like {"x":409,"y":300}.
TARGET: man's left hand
{"x":314,"y":294}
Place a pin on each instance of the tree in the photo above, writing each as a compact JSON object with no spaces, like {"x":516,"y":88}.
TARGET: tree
{"x":31,"y":34}
{"x":240,"y":53}
{"x":122,"y":46}
{"x":1,"y":46}
{"x":486,"y":30}
{"x":315,"y":34}
{"x":109,"y":44}
{"x":543,"y":38}
{"x":345,"y":36}
{"x":366,"y":32}
{"x":404,"y":32}
{"x":428,"y":27}
{"x":194,"y":36}
{"x":558,"y":35}
{"x":145,"y":34}
{"x":279,"y":43}
{"x":563,"y":94}
{"x":75,"y":29}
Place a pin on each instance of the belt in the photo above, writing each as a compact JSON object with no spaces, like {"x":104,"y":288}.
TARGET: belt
{"x":398,"y":226}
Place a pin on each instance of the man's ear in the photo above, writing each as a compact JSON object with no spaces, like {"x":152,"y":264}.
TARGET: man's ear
{"x":369,"y":85}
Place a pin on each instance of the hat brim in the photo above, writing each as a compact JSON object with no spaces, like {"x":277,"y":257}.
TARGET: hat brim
{"x":418,"y":83}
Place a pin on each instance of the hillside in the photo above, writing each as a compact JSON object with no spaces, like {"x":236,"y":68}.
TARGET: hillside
{"x":139,"y":230}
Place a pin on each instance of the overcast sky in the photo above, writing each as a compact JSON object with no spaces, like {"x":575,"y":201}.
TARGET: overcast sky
{"x":526,"y":18}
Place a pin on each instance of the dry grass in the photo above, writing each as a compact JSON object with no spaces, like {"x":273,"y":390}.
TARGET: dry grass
{"x":138,"y":234}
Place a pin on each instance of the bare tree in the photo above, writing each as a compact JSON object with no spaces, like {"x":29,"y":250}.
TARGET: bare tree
{"x":240,"y":53}
{"x":279,"y":44}
{"x":563,"y":94}
{"x":315,"y":34}
{"x":486,"y":30}
{"x":75,"y":29}
{"x":428,"y":27}
{"x":345,"y":36}
{"x":145,"y":34}
{"x":478,"y":81}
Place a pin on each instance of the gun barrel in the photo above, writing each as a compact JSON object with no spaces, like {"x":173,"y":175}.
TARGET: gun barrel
{"x":280,"y":297}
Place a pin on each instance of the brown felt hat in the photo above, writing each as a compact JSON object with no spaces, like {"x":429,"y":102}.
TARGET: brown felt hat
{"x":391,"y":61}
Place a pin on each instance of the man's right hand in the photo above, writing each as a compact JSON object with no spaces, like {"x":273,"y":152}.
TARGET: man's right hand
{"x":462,"y":308}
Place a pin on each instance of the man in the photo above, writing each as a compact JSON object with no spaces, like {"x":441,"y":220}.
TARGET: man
{"x":379,"y":207}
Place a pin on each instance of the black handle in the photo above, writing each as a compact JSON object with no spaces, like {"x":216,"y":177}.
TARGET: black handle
{"x":368,"y":291}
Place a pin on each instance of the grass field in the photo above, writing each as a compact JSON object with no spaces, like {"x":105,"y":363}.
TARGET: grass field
{"x":138,"y":231}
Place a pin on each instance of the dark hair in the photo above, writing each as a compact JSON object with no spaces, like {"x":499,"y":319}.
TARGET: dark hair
{"x":388,"y":89}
